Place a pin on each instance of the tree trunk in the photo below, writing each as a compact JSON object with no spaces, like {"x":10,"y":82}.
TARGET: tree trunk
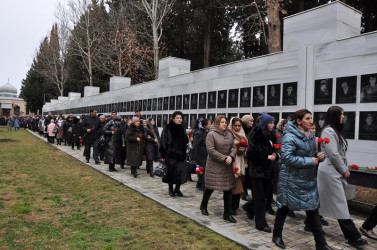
{"x":155,"y":50}
{"x":207,"y":41}
{"x":274,"y":39}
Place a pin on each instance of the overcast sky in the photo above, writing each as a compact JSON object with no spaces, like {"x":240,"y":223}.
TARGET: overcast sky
{"x":23,"y":25}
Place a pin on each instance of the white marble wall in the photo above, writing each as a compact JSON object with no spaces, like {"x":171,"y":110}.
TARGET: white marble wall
{"x":319,"y":43}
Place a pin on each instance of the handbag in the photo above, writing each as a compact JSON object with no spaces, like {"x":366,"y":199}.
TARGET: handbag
{"x":238,"y":188}
{"x":55,"y":130}
{"x":69,"y":130}
{"x":190,"y":167}
{"x":160,"y":170}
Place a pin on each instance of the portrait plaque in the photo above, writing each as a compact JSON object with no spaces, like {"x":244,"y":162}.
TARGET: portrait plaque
{"x":186,"y":101}
{"x":346,"y":89}
{"x":368,"y":125}
{"x":193,"y":118}
{"x":154,"y":104}
{"x":202,"y":100}
{"x":349,"y":125}
{"x":172,"y":103}
{"x":166,"y":103}
{"x":368,"y":88}
{"x":233,"y":98}
{"x":159,"y":104}
{"x":212,"y":100}
{"x":323,"y":91}
{"x":145,"y":105}
{"x":178,"y":104}
{"x":159,"y":120}
{"x":194,"y":101}
{"x":221,"y":99}
{"x":273,"y":95}
{"x":245,"y":97}
{"x":290,"y":94}
{"x":149,"y":105}
{"x":258,"y":96}
{"x":164,"y":120}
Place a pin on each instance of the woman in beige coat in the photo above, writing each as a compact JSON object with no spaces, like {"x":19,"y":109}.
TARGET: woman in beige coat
{"x":219,"y":169}
{"x":332,"y":175}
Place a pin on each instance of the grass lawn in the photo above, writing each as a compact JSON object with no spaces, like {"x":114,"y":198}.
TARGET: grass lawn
{"x":50,"y":200}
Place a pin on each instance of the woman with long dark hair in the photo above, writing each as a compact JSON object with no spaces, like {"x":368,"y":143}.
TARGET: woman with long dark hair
{"x":297,"y":185}
{"x":173,"y":152}
{"x":332,"y":175}
{"x":219,"y":169}
{"x":134,"y":137}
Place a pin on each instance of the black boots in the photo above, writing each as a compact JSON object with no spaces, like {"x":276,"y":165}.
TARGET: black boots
{"x":112,"y":168}
{"x":177,"y":190}
{"x":134,"y":171}
{"x":171,"y":192}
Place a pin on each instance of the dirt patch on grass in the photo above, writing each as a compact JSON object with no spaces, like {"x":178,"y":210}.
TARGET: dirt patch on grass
{"x":7,"y":140}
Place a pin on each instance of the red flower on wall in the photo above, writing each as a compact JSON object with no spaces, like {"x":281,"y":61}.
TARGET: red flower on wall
{"x":354,"y":166}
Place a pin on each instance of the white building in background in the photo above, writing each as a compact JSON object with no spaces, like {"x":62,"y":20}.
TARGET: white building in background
{"x":10,"y":103}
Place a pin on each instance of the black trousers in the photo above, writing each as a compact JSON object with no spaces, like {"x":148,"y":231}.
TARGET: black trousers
{"x":262,"y":189}
{"x":349,"y":229}
{"x":227,"y":196}
{"x":236,"y":201}
{"x":89,"y":142}
{"x":313,"y":220}
{"x":371,"y":221}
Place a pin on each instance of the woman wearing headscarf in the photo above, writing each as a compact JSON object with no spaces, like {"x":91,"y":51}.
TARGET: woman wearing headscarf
{"x":77,"y":133}
{"x":332,"y":175}
{"x":247,"y":125}
{"x":240,"y":163}
{"x":173,"y":151}
{"x":152,"y":139}
{"x":59,"y":128}
{"x":115,"y":143}
{"x":134,"y":138}
{"x":219,"y":169}
{"x":199,"y":151}
{"x":297,"y":185}
{"x":261,"y":154}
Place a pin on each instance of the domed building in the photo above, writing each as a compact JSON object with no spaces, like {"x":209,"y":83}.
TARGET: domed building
{"x":10,"y":104}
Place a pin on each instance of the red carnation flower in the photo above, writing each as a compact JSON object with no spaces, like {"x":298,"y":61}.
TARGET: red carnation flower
{"x":277,"y":146}
{"x":235,"y":170}
{"x":354,"y":166}
{"x":326,"y":140}
{"x":243,"y":142}
{"x":113,"y":129}
{"x":320,"y":140}
{"x":278,"y":135}
{"x":140,"y":135}
{"x":200,"y":172}
{"x":152,"y":130}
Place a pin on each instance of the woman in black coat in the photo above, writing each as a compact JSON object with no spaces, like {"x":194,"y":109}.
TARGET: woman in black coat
{"x":134,"y":139}
{"x":77,"y":133}
{"x":199,"y":151}
{"x":152,"y":139}
{"x":260,"y":155}
{"x":173,"y":151}
{"x":115,"y":144}
{"x":67,"y":131}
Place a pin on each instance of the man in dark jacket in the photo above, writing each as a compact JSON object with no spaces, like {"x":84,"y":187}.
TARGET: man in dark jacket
{"x":91,"y":126}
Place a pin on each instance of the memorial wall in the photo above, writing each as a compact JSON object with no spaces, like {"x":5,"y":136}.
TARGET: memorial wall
{"x":325,"y":61}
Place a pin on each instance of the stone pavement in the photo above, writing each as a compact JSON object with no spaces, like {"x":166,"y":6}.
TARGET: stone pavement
{"x":242,"y":232}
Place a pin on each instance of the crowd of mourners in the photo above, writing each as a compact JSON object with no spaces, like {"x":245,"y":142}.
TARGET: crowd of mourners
{"x":307,"y":173}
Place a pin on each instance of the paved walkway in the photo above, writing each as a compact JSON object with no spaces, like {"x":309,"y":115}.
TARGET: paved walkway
{"x":243,"y":231}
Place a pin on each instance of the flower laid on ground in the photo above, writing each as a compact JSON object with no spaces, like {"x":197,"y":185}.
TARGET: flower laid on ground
{"x":324,"y":140}
{"x":199,"y":169}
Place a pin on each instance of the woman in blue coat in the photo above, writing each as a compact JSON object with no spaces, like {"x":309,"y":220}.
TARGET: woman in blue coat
{"x":297,"y":185}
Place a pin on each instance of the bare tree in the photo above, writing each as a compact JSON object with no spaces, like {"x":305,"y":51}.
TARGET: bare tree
{"x":157,"y":10}
{"x":120,"y":52}
{"x":274,"y":36}
{"x":86,"y":22}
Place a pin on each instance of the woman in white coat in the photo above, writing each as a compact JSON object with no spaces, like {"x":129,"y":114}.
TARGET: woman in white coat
{"x":332,"y":175}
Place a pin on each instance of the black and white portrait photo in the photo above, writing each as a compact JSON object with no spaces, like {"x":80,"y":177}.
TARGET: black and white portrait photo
{"x":136,"y":107}
{"x":233,"y":98}
{"x":164,"y":120}
{"x":128,"y":109}
{"x":145,"y":105}
{"x":258,"y":96}
{"x":212,"y":100}
{"x":368,"y":126}
{"x":154,"y":104}
{"x":323,"y":91}
{"x":290,"y":94}
{"x":194,"y":101}
{"x":193,"y":118}
{"x":211,"y":117}
{"x":221,"y":99}
{"x":178,"y":103}
{"x":159,"y":104}
{"x":349,"y":125}
{"x":140,"y":105}
{"x":276,"y":116}
{"x":132,"y":109}
{"x":203,"y":100}
{"x":319,"y":120}
{"x":288,"y":116}
{"x":166,"y":103}
{"x":149,"y":106}
{"x":159,"y":121}
{"x":245,"y":97}
{"x":368,"y":88}
{"x":346,"y":89}
{"x":230,"y":115}
{"x":185,"y":120}
{"x":172,"y":103}
{"x":273,"y":95}
{"x":186,"y":101}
